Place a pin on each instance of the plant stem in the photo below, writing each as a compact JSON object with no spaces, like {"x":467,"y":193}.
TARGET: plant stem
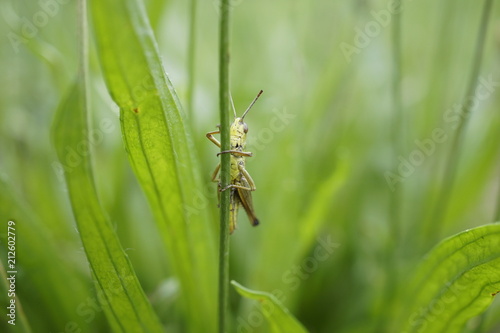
{"x":450,"y":170}
{"x":496,"y":217}
{"x":225,"y":167}
{"x":83,"y":40}
{"x":191,"y":54}
{"x":397,"y":133}
{"x":395,"y":199}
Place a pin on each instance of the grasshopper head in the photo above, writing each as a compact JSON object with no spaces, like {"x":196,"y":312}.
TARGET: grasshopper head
{"x":239,"y":128}
{"x":238,"y":133}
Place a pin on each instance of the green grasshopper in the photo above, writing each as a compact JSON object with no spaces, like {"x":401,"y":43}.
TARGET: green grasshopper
{"x":241,"y":182}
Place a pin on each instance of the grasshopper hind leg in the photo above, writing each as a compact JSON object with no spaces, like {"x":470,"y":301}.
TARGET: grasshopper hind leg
{"x":245,"y":196}
{"x":234,"y":205}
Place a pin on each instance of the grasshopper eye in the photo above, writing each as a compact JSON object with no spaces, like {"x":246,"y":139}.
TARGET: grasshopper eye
{"x":245,"y":128}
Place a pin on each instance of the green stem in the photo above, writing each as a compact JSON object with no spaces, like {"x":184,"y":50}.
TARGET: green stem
{"x":496,"y":217}
{"x":83,"y":40}
{"x":225,"y":167}
{"x":191,"y":54}
{"x":397,"y":131}
{"x":450,"y":170}
{"x":397,"y":139}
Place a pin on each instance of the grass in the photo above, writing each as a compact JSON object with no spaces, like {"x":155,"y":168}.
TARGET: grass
{"x":339,"y":248}
{"x":224,"y":97}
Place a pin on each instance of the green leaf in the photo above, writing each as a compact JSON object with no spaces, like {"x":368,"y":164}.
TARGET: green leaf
{"x":160,"y":151}
{"x":279,"y":318}
{"x":455,"y":282}
{"x":118,"y":288}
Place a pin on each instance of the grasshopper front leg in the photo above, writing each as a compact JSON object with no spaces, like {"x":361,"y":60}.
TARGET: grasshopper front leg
{"x":210,"y":136}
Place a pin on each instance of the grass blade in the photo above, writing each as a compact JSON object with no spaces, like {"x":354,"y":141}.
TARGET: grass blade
{"x":320,"y":203}
{"x":278,"y":316}
{"x":453,"y":159}
{"x":123,"y":299}
{"x":119,"y":291}
{"x":160,"y":151}
{"x":224,"y":55}
{"x":193,"y":5}
{"x":456,"y":281}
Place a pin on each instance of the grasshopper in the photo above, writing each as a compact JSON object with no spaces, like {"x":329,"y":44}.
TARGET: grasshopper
{"x":242,"y":183}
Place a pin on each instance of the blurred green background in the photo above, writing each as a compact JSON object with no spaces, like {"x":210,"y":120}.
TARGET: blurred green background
{"x":322,"y":135}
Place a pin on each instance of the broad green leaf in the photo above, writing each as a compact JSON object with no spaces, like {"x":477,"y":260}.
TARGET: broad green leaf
{"x":455,"y":282}
{"x":118,"y":288}
{"x":279,"y":318}
{"x":160,"y":151}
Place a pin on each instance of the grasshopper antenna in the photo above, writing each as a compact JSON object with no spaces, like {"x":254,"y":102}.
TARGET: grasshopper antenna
{"x":232,"y":104}
{"x":251,"y":104}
